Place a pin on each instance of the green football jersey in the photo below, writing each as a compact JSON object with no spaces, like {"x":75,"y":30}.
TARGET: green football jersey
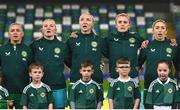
{"x":121,"y":44}
{"x":51,"y":54}
{"x":163,"y":94}
{"x":14,"y":62}
{"x":86,"y":95}
{"x":86,"y":46}
{"x":123,"y":93}
{"x":37,"y":98}
{"x":156,"y":51}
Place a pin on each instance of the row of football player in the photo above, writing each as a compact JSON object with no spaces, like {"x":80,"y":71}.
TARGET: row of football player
{"x":49,"y":51}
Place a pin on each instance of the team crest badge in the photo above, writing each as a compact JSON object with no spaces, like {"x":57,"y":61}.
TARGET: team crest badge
{"x":170,"y":90}
{"x":94,"y":44}
{"x":168,"y":50}
{"x":130,"y":88}
{"x":43,"y":94}
{"x":91,"y":91}
{"x":131,"y":40}
{"x":57,"y":50}
{"x":24,"y":53}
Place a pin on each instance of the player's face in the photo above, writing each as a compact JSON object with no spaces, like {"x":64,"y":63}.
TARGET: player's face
{"x":86,"y":23}
{"x":49,"y":28}
{"x":122,"y":23}
{"x":159,"y":31}
{"x":123,"y":69}
{"x":86,"y":73}
{"x":15,"y":33}
{"x":36,"y":74}
{"x":163,"y":71}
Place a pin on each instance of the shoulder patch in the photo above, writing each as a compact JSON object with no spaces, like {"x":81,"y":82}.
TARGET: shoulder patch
{"x":47,"y":87}
{"x":175,"y":83}
{"x":171,"y":80}
{"x":96,"y":84}
{"x":74,"y":85}
{"x":134,"y":82}
{"x":114,"y":81}
{"x":26,"y":88}
{"x":151,"y":85}
{"x":5,"y":91}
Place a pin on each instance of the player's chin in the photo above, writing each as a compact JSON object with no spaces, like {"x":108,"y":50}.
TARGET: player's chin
{"x":163,"y":78}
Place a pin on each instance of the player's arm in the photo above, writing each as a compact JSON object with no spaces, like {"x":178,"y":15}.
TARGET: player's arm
{"x":137,"y":96}
{"x":74,"y":34}
{"x":24,"y":100}
{"x":72,"y":97}
{"x":144,"y":44}
{"x":68,"y":54}
{"x":24,"y":107}
{"x":99,"y":105}
{"x":173,"y":42}
{"x":100,"y":97}
{"x":105,"y":47}
{"x":72,"y":105}
{"x":141,"y":58}
{"x":50,"y":98}
{"x":50,"y":106}
{"x":136,"y":103}
{"x":111,"y":104}
{"x":111,"y":96}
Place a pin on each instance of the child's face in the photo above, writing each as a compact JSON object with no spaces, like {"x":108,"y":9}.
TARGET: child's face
{"x":36,"y":74}
{"x":123,"y":69}
{"x":86,"y":72}
{"x":163,"y":71}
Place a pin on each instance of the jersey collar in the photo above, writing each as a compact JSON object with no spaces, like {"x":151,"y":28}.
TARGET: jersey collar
{"x":86,"y":83}
{"x":122,"y":80}
{"x":36,"y":87}
{"x":165,"y":82}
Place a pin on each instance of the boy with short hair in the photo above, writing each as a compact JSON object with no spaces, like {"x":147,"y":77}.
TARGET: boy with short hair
{"x":124,"y":92}
{"x":86,"y":93}
{"x":37,"y":95}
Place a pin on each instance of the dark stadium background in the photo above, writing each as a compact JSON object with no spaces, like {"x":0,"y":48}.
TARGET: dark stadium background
{"x":142,"y":12}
